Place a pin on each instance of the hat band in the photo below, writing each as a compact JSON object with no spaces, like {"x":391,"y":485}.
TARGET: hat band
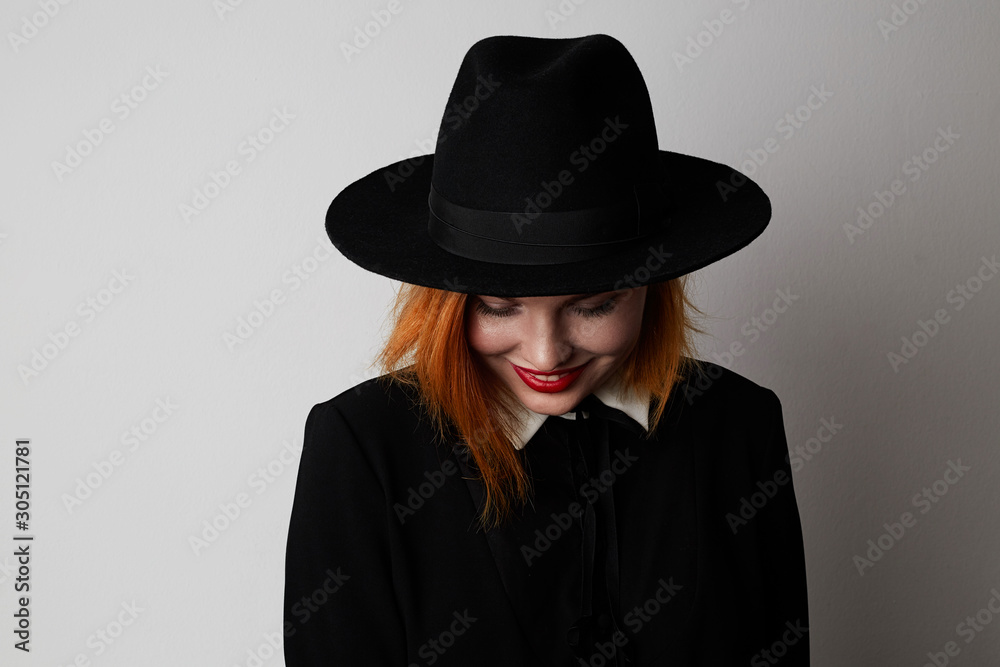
{"x":533,"y":236}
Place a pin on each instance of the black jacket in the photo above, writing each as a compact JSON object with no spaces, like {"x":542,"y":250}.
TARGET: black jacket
{"x":384,"y":565}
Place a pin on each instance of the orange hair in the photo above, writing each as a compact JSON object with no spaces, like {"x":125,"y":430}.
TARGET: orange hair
{"x":463,"y":396}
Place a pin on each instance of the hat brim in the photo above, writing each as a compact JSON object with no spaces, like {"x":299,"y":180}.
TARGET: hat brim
{"x":379,"y":222}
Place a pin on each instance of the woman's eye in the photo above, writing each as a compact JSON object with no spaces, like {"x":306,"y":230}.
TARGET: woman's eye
{"x":494,"y":312}
{"x":603,"y":309}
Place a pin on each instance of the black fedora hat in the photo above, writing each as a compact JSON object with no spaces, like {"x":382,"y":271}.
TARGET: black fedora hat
{"x":547,"y":179}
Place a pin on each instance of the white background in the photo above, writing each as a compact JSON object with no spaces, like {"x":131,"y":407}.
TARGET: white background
{"x":239,"y":406}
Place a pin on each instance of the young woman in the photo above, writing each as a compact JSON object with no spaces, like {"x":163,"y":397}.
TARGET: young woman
{"x":545,"y":475}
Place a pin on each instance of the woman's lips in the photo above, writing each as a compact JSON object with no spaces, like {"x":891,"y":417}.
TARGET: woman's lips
{"x":560,"y":379}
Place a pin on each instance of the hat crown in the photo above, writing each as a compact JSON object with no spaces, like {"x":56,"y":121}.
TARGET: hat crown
{"x":526,"y":111}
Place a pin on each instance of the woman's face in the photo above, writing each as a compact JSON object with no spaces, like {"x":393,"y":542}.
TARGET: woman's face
{"x":584,"y":338}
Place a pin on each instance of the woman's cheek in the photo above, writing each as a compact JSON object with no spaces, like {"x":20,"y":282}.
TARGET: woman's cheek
{"x":605,"y":338}
{"x":487,"y":336}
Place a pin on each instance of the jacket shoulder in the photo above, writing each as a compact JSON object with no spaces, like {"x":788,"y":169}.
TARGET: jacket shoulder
{"x":383,"y":417}
{"x":713,"y":387}
{"x":740,"y":420}
{"x":378,"y":395}
{"x":380,"y":406}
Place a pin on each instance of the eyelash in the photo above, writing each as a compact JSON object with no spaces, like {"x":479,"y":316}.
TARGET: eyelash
{"x":599,"y":311}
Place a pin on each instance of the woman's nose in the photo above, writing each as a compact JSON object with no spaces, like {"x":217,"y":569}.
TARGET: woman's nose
{"x":546,"y":346}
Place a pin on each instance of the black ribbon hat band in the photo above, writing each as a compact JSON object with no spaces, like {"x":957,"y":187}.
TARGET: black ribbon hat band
{"x":535,"y":237}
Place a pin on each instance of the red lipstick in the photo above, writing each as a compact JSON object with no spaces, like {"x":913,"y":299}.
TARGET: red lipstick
{"x":549,"y":386}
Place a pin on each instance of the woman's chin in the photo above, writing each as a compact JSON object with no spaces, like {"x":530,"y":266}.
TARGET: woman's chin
{"x":550,"y":403}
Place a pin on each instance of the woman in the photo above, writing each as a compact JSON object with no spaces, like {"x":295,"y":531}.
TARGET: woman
{"x":441,"y":517}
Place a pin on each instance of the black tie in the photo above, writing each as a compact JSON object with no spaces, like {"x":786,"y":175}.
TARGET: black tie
{"x":589,"y":445}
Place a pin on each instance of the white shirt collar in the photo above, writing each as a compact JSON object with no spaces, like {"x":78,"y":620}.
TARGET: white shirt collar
{"x":634,"y":405}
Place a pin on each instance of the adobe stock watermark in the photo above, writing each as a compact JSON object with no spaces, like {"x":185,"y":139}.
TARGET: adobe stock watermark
{"x":432,"y":650}
{"x":703,"y":381}
{"x":562,"y":12}
{"x":7,"y":570}
{"x":757,"y":324}
{"x":231,"y":510}
{"x":122,"y":107}
{"x":265,"y":307}
{"x":968,"y":630}
{"x":924,"y":501}
{"x":591,"y":490}
{"x":223,"y":7}
{"x":102,"y":639}
{"x":748,"y":507}
{"x":31,"y":24}
{"x":407,"y":166}
{"x":914,"y":168}
{"x":265,"y":650}
{"x":635,"y":620}
{"x":828,"y":428}
{"x":456,"y":115}
{"x":786,"y":127}
{"x":131,"y":440}
{"x":752,"y":329}
{"x":308,"y":605}
{"x":581,"y":158}
{"x":898,"y":17}
{"x":927,"y":329}
{"x":87,"y":310}
{"x":381,"y":18}
{"x":418,"y":495}
{"x":252,"y":146}
{"x":700,"y":42}
{"x":641,"y":274}
{"x":794,"y":632}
